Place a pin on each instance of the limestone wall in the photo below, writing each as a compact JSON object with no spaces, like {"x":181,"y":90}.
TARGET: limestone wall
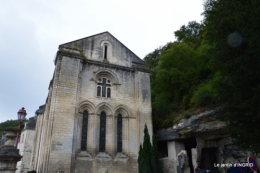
{"x":93,"y":49}
{"x":81,"y":65}
{"x":25,"y":147}
{"x":73,"y":90}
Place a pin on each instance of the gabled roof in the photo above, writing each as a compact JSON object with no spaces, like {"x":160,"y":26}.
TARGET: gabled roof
{"x":64,"y":44}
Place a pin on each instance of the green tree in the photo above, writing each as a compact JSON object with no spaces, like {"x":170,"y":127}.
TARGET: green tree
{"x":148,"y":159}
{"x":156,"y":164}
{"x":178,"y":72}
{"x":151,"y":60}
{"x":190,"y":34}
{"x":140,"y":160}
{"x":175,"y":74}
{"x":232,"y":29}
{"x":9,"y":123}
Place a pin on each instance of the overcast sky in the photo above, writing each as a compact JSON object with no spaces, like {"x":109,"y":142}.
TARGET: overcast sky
{"x":32,"y":30}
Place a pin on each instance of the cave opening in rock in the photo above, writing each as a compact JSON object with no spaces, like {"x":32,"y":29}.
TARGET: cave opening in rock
{"x":189,"y":144}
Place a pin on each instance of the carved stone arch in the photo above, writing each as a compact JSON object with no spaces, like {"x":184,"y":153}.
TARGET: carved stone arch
{"x":104,"y":107}
{"x":107,"y":74}
{"x":121,"y":128}
{"x":85,"y":108}
{"x":107,"y":50}
{"x":123,"y":110}
{"x":105,"y":42}
{"x":86,"y":105}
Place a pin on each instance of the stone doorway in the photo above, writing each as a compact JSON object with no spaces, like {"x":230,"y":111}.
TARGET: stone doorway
{"x":208,"y":158}
{"x":189,"y":144}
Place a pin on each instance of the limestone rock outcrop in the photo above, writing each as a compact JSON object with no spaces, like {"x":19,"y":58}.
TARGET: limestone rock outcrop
{"x":202,"y":123}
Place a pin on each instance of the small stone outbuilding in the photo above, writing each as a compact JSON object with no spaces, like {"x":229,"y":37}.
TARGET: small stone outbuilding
{"x":199,"y":141}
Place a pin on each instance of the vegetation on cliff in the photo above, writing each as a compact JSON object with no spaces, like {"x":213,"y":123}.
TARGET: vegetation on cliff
{"x":232,"y":30}
{"x":213,"y":63}
{"x":8,"y":123}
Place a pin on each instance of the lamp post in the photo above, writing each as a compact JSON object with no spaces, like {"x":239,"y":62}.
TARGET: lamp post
{"x":21,"y":116}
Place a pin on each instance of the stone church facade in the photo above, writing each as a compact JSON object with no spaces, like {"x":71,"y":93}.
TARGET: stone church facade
{"x":98,"y":103}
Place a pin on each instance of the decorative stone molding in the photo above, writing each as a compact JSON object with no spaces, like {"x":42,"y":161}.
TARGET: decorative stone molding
{"x":86,"y":105}
{"x":123,"y":110}
{"x":121,"y":157}
{"x":103,"y":156}
{"x":84,"y":155}
{"x":108,"y":109}
{"x":106,"y":73}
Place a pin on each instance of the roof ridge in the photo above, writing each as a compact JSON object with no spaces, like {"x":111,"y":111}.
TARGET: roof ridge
{"x":100,"y":34}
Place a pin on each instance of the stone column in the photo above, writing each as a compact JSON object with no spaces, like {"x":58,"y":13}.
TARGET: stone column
{"x":174,"y":148}
{"x":9,"y":155}
{"x":194,"y":158}
{"x":200,"y":145}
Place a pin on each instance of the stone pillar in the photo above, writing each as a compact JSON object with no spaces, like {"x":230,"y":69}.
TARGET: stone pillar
{"x":200,"y":145}
{"x":194,"y":158}
{"x":9,"y":155}
{"x":174,"y":148}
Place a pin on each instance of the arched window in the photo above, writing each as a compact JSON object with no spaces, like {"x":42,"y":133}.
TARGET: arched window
{"x":84,"y":131}
{"x":104,"y":87}
{"x":105,"y":52}
{"x":99,"y":91}
{"x":108,"y":92}
{"x":102,"y":135}
{"x":119,"y":133}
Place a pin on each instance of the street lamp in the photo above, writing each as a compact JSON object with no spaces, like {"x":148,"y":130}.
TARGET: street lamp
{"x":21,"y":116}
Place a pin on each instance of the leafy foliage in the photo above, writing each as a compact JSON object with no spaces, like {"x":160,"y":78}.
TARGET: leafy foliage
{"x":190,"y":34}
{"x":148,"y":158}
{"x":179,"y":72}
{"x":232,"y":28}
{"x":8,"y":123}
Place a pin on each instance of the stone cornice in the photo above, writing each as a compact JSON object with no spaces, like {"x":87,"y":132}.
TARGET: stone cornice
{"x":87,"y":61}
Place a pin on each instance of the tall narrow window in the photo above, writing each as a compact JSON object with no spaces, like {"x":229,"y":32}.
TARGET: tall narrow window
{"x":108,"y":92}
{"x":99,"y":91}
{"x":84,"y":131}
{"x":119,"y":133}
{"x":105,"y":52}
{"x":102,"y":135}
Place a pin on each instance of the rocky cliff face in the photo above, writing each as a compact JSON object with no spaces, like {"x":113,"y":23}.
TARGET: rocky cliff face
{"x":202,"y":124}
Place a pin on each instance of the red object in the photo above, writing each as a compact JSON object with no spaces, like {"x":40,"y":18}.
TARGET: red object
{"x":21,"y":116}
{"x":253,"y":161}
{"x":22,"y":111}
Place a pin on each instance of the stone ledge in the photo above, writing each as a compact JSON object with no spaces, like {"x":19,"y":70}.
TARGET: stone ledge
{"x":121,"y":157}
{"x":83,"y":155}
{"x":102,"y":156}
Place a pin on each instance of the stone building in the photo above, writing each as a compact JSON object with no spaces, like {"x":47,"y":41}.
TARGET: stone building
{"x":25,"y":146}
{"x":98,"y":103}
{"x":199,"y":141}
